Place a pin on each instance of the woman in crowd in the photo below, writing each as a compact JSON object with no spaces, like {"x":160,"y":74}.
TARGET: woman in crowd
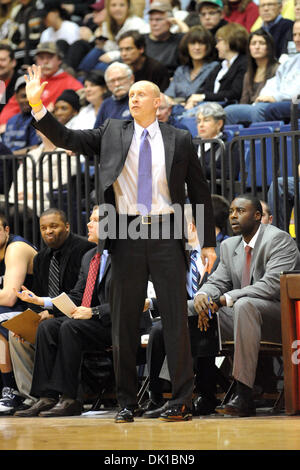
{"x":118,"y":20}
{"x":94,"y":93}
{"x":210,"y":124}
{"x":197,"y":54}
{"x":224,"y":84}
{"x":262,"y":65}
{"x":244,"y":12}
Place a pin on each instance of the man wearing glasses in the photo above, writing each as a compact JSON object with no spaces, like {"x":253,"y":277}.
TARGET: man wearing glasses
{"x":211,"y":14}
{"x":119,"y":78}
{"x":275,"y":24}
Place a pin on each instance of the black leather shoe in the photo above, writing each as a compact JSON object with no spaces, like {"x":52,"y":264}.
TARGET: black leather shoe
{"x":238,"y":406}
{"x":42,"y":405}
{"x":65,"y":407}
{"x":154,"y":410}
{"x":176,"y":413}
{"x":204,"y":405}
{"x":126,"y":415}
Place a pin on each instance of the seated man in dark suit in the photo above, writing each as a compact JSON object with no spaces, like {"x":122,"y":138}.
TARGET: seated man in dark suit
{"x":59,"y":240}
{"x":246,"y":289}
{"x":62,"y":340}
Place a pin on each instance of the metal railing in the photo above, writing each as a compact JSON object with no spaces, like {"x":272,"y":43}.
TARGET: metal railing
{"x":268,"y":165}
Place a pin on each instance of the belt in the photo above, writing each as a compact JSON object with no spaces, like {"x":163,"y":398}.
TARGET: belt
{"x":150,"y":219}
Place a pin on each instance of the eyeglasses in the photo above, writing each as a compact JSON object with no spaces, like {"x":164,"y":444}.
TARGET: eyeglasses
{"x":269,"y":5}
{"x":118,"y":79}
{"x":209,"y":13}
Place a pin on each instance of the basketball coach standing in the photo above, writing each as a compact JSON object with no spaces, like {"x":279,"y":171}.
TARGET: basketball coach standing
{"x":144,"y":167}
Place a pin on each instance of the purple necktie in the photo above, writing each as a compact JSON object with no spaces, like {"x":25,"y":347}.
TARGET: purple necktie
{"x":144,"y":196}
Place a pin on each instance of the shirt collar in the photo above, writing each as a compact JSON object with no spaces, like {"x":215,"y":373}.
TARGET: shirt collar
{"x":253,"y":239}
{"x":152,"y":129}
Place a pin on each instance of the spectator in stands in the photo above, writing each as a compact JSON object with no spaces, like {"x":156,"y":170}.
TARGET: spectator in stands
{"x":275,"y":97}
{"x":248,"y":299}
{"x":244,"y":12}
{"x":58,"y":25}
{"x":211,"y":15}
{"x":224,"y":83}
{"x":67,"y":107}
{"x":19,"y":136}
{"x":8,"y":74}
{"x":16,"y":268}
{"x":90,"y":35}
{"x":164,"y":113}
{"x":95,"y":91}
{"x":262,"y":65}
{"x":26,"y":18}
{"x":161,"y":44}
{"x":61,"y":341}
{"x":118,"y":20}
{"x":267,"y":217}
{"x":69,"y":248}
{"x":211,"y":119}
{"x":50,"y":60}
{"x":132,"y":46}
{"x":6,"y":24}
{"x":119,"y":78}
{"x":275,"y":24}
{"x":290,"y":47}
{"x":198,"y":57}
{"x":283,"y":197}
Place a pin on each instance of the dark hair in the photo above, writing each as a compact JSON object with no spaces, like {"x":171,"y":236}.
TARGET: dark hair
{"x":4,"y":220}
{"x":255,"y":201}
{"x":96,"y":77}
{"x":242,"y":6}
{"x":201,"y":35}
{"x":112,"y":26}
{"x":138,"y":38}
{"x":221,"y":212}
{"x":54,"y":210}
{"x":252,"y":65}
{"x":7,"y":47}
{"x":236,"y":36}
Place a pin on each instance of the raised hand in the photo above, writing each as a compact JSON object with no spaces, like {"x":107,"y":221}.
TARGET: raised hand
{"x":34,"y":88}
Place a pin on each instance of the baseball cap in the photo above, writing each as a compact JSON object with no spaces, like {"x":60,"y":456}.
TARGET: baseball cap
{"x":217,"y":3}
{"x":158,"y":6}
{"x":20,"y":82}
{"x":100,"y":5}
{"x":49,"y":47}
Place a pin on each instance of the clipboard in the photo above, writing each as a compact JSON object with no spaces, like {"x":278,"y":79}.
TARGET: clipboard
{"x":24,"y":324}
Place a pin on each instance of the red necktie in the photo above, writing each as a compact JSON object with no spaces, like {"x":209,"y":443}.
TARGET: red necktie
{"x":91,"y":280}
{"x":246,"y":269}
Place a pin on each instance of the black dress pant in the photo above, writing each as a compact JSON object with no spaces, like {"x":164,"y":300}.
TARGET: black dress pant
{"x":132,"y":263}
{"x":60,"y":343}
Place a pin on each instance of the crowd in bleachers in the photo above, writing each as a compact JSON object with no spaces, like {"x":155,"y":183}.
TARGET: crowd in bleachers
{"x":218,"y":64}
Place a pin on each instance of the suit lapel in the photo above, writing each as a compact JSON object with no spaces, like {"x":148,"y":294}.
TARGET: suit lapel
{"x":127,"y":134}
{"x":256,"y":249}
{"x":238,"y":259}
{"x":169,"y":143}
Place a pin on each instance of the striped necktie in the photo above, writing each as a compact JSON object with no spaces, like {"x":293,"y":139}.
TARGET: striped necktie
{"x":53,"y":281}
{"x":91,"y":281}
{"x":194,"y":272}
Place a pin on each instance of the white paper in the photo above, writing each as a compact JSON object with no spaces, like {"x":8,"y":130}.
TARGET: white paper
{"x":64,"y":304}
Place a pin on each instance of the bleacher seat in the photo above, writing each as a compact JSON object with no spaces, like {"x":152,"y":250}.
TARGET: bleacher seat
{"x":233,"y":127}
{"x":273,"y":124}
{"x":191,"y":124}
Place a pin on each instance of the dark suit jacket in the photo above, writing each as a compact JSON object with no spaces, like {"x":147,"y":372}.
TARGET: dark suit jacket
{"x":231,"y":84}
{"x":100,"y":297}
{"x":113,"y":140}
{"x":71,"y":254}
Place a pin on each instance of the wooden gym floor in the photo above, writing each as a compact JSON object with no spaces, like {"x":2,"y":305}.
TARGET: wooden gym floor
{"x":99,"y":432}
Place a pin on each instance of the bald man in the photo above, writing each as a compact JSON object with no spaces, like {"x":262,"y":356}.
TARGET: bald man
{"x":144,"y":166}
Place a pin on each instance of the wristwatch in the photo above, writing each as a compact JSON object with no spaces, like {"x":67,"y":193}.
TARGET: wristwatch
{"x":96,"y":311}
